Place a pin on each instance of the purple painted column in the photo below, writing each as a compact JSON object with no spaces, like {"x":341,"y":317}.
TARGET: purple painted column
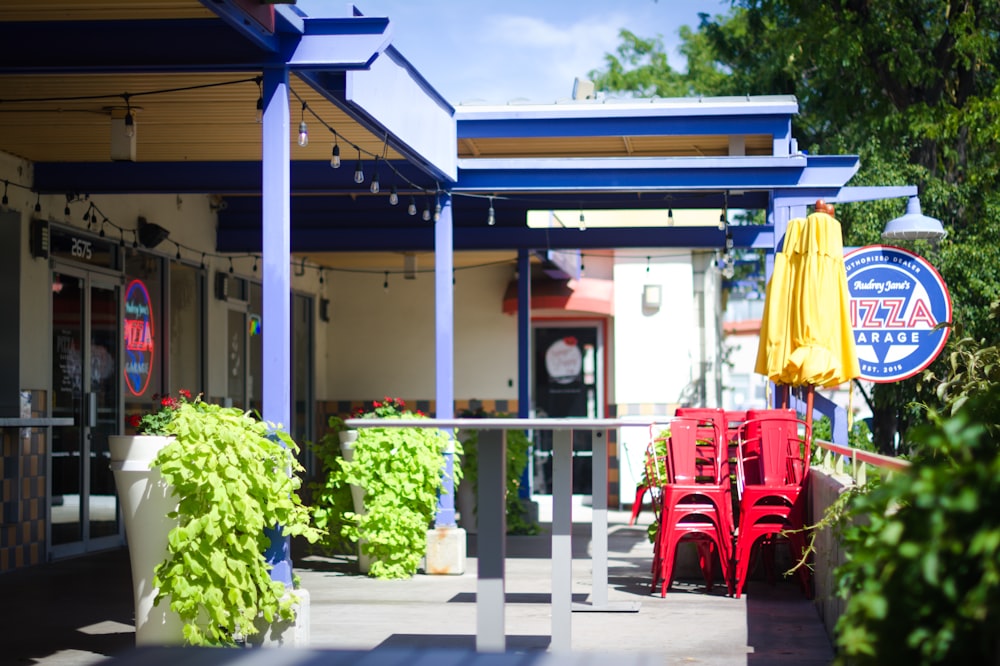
{"x":444,"y":348}
{"x":276,"y":262}
{"x":524,"y":355}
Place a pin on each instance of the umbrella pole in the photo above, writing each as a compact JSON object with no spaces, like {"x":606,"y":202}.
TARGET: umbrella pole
{"x":810,"y":390}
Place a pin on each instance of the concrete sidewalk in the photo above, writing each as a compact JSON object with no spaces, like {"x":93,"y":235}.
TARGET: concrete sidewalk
{"x":77,"y":612}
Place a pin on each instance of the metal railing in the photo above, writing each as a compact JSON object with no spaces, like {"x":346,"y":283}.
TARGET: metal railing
{"x":853,"y":462}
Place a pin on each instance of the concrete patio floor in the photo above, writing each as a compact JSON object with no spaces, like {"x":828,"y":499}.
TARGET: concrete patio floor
{"x":79,"y":612}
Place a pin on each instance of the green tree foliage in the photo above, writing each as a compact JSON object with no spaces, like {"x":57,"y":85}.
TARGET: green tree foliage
{"x":911,"y":86}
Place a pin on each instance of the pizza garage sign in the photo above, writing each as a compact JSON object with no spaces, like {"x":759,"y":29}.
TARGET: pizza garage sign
{"x":897,"y":301}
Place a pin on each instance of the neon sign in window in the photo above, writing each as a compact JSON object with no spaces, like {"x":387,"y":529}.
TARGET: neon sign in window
{"x":139,"y":343}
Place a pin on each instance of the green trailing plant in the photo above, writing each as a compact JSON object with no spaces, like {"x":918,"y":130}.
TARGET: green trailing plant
{"x":518,"y":446}
{"x":401,"y":471}
{"x":234,"y":477}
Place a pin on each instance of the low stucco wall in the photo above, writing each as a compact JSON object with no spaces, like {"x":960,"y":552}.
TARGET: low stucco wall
{"x":825,"y":486}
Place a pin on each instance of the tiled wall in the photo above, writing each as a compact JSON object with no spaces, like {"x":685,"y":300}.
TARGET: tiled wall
{"x":22,"y":489}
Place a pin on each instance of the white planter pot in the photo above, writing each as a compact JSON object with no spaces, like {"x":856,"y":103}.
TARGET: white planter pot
{"x":348,"y":438}
{"x":145,"y":500}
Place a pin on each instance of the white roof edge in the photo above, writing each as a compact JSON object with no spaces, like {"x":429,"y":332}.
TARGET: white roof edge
{"x":748,"y":105}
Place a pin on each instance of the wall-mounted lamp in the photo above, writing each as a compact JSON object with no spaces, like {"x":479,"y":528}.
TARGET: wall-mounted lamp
{"x":151,"y":234}
{"x":913,"y":225}
{"x":652,"y":296}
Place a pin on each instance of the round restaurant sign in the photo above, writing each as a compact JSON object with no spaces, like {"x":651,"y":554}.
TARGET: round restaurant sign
{"x":897,"y":300}
{"x":139,"y":346}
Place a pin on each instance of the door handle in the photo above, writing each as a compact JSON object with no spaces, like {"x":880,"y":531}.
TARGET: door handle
{"x":91,"y":409}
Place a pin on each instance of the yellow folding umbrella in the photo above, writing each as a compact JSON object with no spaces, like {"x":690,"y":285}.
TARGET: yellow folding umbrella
{"x":806,"y":338}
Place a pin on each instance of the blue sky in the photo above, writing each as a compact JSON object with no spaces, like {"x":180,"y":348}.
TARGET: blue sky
{"x":498,"y":51}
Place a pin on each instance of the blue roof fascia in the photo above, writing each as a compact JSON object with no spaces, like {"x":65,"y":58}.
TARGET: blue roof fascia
{"x":341,"y":43}
{"x":251,"y":30}
{"x":52,"y":47}
{"x":653,"y":173}
{"x":777,"y":105}
{"x":362,"y":239}
{"x":777,"y":126}
{"x":392,"y":100}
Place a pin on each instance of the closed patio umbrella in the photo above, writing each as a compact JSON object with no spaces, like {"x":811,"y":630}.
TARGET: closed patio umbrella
{"x":806,"y":337}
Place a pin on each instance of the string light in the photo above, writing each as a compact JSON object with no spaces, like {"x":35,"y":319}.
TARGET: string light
{"x":231,"y":269}
{"x":38,"y":202}
{"x":410,"y":210}
{"x":393,"y":196}
{"x":491,"y":215}
{"x":359,"y":173}
{"x":303,"y":128}
{"x":178,"y":255}
{"x":135,"y":239}
{"x":102,"y":227}
{"x":260,"y":101}
{"x":254,"y":269}
{"x":321,"y":275}
{"x":129,"y":119}
{"x":670,"y":215}
{"x":437,"y":211}
{"x":335,"y":157}
{"x":5,"y":200}
{"x":375,"y":184}
{"x":583,"y":222}
{"x":385,"y":284}
{"x":427,"y":212}
{"x":66,"y":209}
{"x":121,"y":239}
{"x":202,"y":261}
{"x":647,"y":264}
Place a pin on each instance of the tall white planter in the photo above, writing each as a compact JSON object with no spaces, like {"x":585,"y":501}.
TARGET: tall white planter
{"x":348,"y":439}
{"x":146,"y":499}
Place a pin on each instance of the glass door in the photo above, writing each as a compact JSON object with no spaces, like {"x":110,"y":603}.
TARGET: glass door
{"x":566,"y":370}
{"x":86,"y":386}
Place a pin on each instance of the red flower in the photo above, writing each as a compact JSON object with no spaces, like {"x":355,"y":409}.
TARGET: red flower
{"x":133,"y":420}
{"x":184,"y":393}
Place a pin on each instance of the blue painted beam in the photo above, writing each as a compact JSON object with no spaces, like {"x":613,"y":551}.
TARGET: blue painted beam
{"x":662,"y":125}
{"x":491,"y":238}
{"x":67,"y":47}
{"x":648,"y":174}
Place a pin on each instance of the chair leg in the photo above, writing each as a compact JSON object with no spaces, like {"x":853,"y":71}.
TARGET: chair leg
{"x":640,"y":492}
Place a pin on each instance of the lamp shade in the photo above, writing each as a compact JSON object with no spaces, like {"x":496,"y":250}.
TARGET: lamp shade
{"x":151,"y":234}
{"x":913,"y":225}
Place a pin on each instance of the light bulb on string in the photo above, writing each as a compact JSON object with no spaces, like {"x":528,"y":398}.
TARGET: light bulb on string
{"x":385,"y":284}
{"x":670,"y":215}
{"x":121,"y":238}
{"x":412,"y":208}
{"x":86,"y":214}
{"x":335,"y":156}
{"x":202,"y":261}
{"x":321,"y":280}
{"x":5,"y":201}
{"x":38,"y":202}
{"x":375,"y":186}
{"x":178,"y":251}
{"x":393,"y":196}
{"x":260,"y":102}
{"x":359,"y":173}
{"x":66,"y":211}
{"x":427,"y":212}
{"x":129,"y":122}
{"x":231,"y":269}
{"x":254,"y":269}
{"x":647,"y":264}
{"x":135,"y":239}
{"x":105,"y":221}
{"x":437,"y":211}
{"x":491,"y":215}
{"x":303,"y":128}
{"x":583,"y":222}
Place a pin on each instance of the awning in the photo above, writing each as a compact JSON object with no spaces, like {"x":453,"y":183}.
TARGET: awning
{"x":584,"y":295}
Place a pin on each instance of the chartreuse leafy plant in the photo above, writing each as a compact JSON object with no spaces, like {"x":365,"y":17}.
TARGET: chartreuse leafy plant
{"x":518,"y":445}
{"x":234,"y":477}
{"x":401,"y":471}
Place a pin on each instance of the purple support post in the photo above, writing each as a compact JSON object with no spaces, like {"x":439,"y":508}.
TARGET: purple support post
{"x":524,"y":356}
{"x":444,"y":348}
{"x":276,"y":260}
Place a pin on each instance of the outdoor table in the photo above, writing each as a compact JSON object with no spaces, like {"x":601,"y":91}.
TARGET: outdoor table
{"x":492,"y":521}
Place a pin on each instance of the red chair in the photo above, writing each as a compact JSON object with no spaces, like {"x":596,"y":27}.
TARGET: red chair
{"x":772,"y":502}
{"x":695,"y":504}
